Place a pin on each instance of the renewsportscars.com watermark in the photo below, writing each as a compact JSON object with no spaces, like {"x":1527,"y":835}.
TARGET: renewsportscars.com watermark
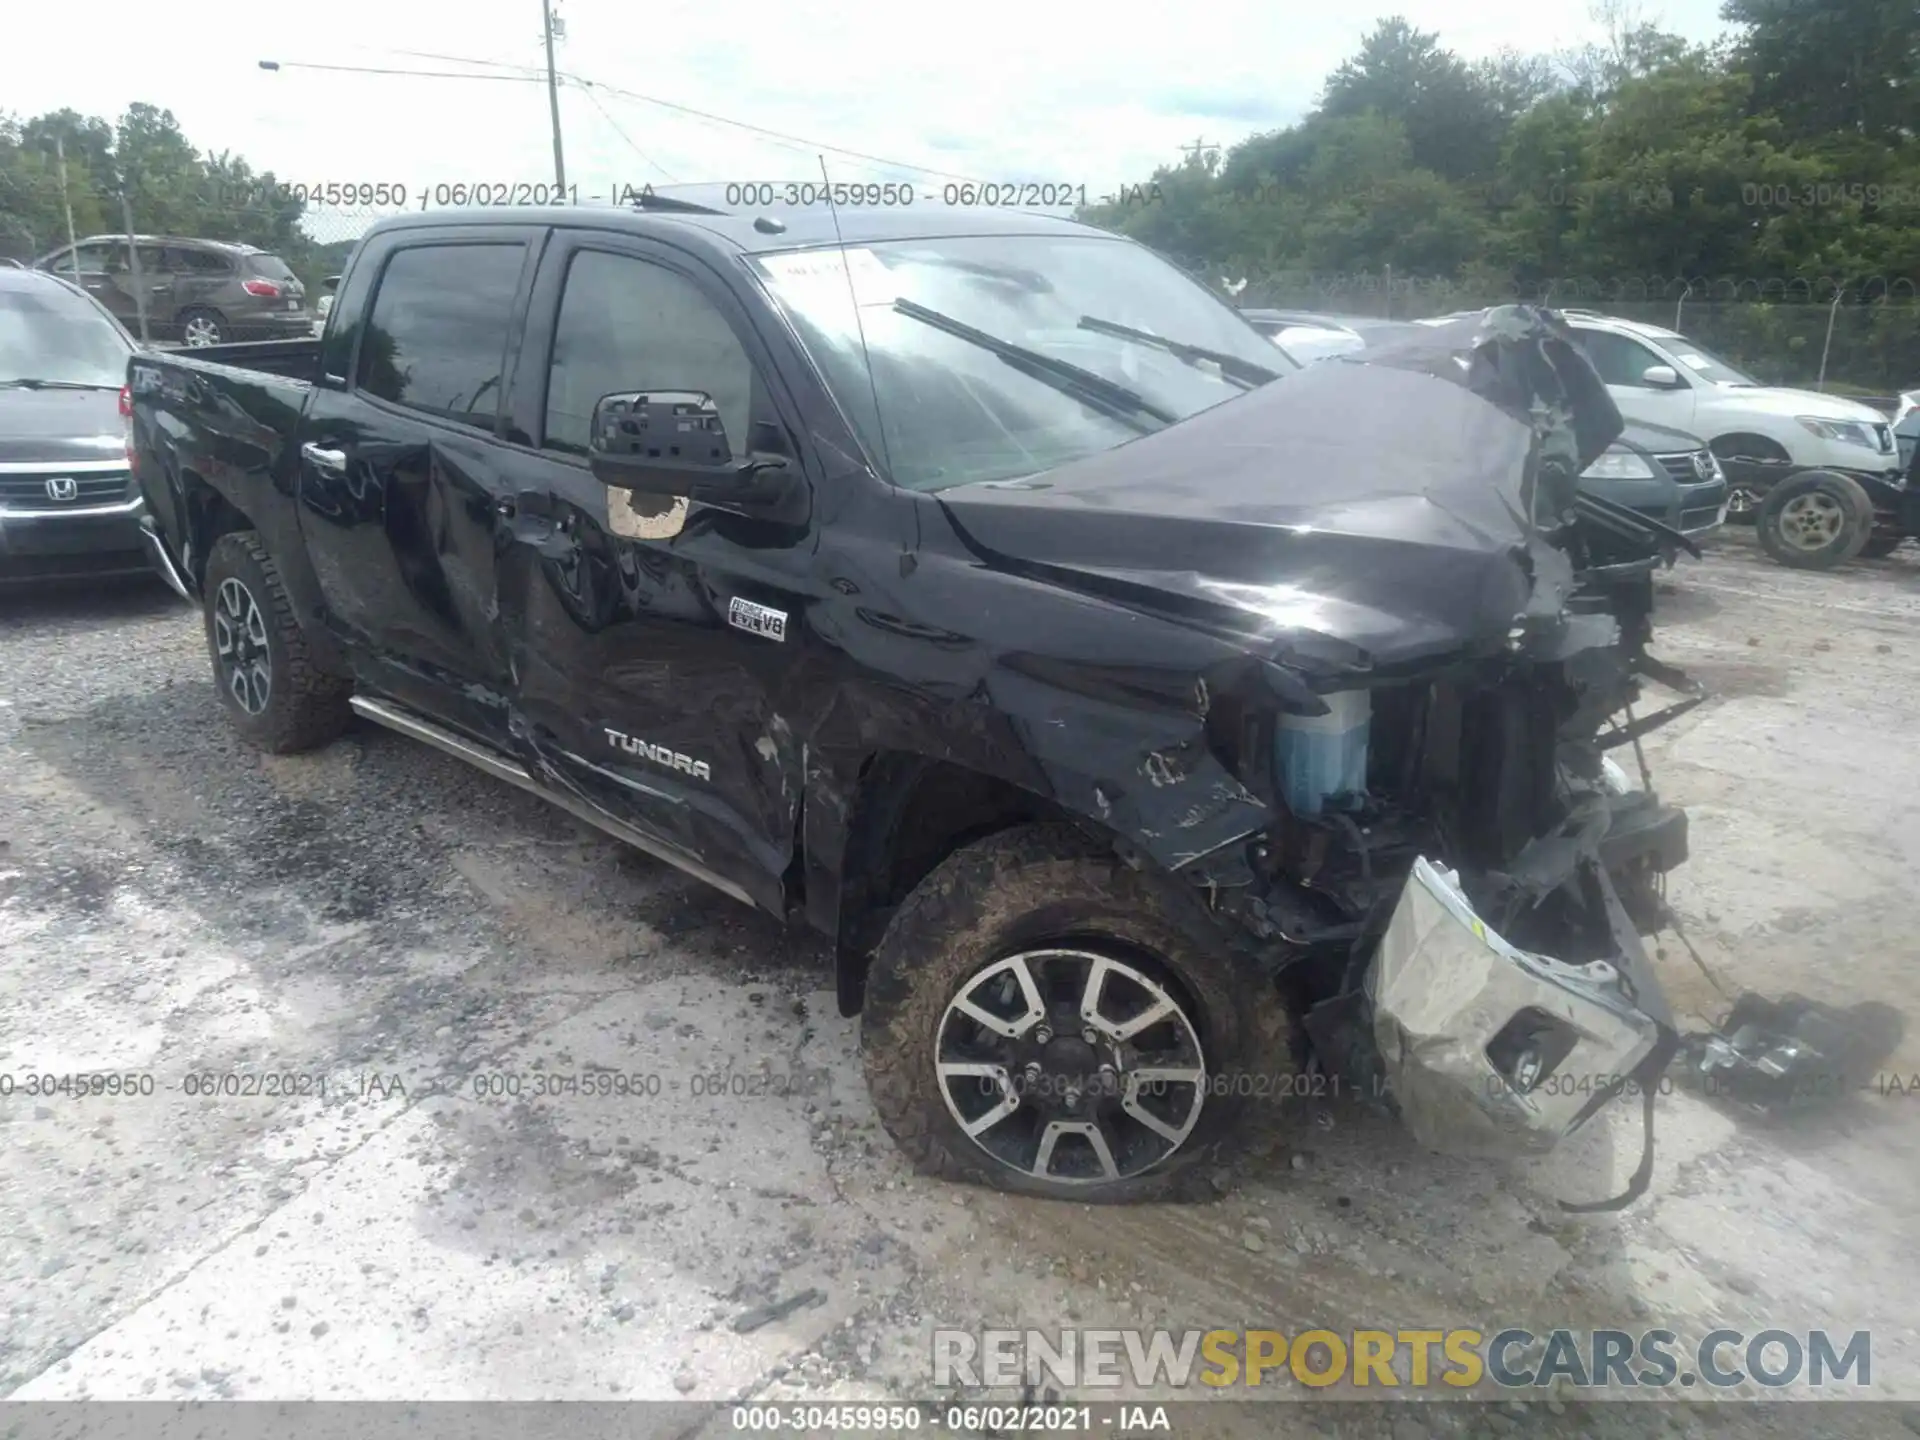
{"x":1074,"y":1359}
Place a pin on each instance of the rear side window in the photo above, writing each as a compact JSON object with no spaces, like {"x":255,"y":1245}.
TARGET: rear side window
{"x":269,"y":267}
{"x":201,"y":262}
{"x":437,"y":337}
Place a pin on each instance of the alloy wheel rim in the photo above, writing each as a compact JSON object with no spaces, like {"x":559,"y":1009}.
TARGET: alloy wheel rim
{"x":1812,"y":521}
{"x":202,"y":331}
{"x":240,"y":642}
{"x":1070,"y":1066}
{"x":1741,"y":500}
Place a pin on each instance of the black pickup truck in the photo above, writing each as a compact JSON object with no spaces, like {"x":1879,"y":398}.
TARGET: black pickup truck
{"x":1156,"y":729}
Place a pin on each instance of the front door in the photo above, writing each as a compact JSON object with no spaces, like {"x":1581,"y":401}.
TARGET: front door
{"x":656,"y":643}
{"x":1622,"y":361}
{"x":401,"y":478}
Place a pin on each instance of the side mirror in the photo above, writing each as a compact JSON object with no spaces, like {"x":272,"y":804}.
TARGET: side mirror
{"x":672,"y":442}
{"x":1662,"y":377}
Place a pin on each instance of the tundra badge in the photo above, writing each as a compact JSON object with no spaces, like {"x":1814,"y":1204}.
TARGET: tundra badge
{"x":757,"y":619}
{"x":659,"y":754}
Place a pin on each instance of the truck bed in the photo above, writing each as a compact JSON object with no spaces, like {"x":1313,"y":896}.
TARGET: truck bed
{"x":296,"y":359}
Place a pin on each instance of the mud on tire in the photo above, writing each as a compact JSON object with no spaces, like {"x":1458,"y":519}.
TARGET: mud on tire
{"x":273,"y":692}
{"x":1029,"y":891}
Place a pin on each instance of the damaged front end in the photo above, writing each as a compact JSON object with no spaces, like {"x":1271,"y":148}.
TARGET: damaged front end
{"x":1420,"y":643}
{"x":1465,"y":924}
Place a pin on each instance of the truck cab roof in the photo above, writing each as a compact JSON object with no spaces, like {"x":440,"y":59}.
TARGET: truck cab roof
{"x":762,"y":230}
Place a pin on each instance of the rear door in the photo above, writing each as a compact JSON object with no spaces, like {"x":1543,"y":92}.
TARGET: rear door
{"x":637,"y":688}
{"x":402,"y":482}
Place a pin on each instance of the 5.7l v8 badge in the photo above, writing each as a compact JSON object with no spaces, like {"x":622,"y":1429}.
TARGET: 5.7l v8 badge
{"x":757,"y":619}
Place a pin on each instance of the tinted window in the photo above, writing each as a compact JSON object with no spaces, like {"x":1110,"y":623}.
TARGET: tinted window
{"x":272,"y":267}
{"x":49,"y":333}
{"x":438,"y":333}
{"x":627,"y":325}
{"x":1619,"y":360}
{"x":200,"y":262}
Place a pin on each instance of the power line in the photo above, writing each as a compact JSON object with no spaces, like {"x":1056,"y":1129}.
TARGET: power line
{"x":780,"y":136}
{"x":595,"y":101}
{"x":377,"y":70}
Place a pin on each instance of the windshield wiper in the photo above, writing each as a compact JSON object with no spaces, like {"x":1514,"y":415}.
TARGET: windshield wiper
{"x":1090,"y":389}
{"x":1244,"y":373}
{"x":27,"y":382}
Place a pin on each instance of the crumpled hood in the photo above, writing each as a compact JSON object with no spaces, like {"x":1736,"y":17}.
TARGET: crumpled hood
{"x":1384,"y":500}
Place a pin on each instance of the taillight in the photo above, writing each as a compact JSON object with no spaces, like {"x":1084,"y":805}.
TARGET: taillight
{"x":264,"y":288}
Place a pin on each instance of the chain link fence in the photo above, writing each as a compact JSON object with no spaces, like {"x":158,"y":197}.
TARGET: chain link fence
{"x":1841,"y":334}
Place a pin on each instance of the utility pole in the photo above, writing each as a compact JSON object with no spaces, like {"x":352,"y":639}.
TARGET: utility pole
{"x":1198,"y":148}
{"x":553,"y":103}
{"x":133,"y":259}
{"x":66,"y":204}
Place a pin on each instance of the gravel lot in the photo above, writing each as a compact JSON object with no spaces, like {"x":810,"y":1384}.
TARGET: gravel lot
{"x":378,"y":918}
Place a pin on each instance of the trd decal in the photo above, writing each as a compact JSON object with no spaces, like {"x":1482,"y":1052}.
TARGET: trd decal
{"x":659,"y":754}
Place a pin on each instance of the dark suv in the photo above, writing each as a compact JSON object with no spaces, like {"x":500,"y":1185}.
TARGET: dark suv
{"x":200,"y":292}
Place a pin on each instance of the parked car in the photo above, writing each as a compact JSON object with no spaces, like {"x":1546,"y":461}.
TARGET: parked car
{"x":199,"y":292}
{"x":1761,"y":433}
{"x":1664,"y":474}
{"x":1135,"y":712}
{"x":68,"y":506}
{"x":328,"y":287}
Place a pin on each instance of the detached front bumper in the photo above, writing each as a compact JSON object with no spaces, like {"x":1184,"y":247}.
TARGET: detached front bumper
{"x":1492,"y":1051}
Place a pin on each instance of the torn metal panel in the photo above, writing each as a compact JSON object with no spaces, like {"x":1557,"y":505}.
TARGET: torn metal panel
{"x":1490,"y":1050}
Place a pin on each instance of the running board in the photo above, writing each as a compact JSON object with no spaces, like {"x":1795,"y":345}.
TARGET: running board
{"x":501,"y":767}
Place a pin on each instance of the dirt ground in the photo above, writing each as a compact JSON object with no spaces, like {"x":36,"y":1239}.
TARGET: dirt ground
{"x":378,"y":919}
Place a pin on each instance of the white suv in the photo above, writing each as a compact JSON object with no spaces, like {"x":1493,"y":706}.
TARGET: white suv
{"x":1760,"y":433}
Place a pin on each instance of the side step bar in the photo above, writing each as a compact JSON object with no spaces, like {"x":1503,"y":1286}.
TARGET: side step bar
{"x":503,"y":767}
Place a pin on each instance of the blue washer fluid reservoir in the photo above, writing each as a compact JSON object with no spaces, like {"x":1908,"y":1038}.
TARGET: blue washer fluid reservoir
{"x":1318,"y":756}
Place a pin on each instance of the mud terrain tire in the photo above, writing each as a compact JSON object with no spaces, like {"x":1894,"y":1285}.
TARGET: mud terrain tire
{"x":1021,"y":891}
{"x":300,"y":706}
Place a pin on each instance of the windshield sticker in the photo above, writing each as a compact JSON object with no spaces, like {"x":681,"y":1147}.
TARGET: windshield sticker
{"x":1695,"y":362}
{"x":815,"y":272}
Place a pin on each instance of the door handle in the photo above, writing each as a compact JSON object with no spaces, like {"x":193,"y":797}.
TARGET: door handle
{"x":330,"y":462}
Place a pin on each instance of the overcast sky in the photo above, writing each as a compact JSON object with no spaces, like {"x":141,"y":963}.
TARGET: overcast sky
{"x":993,"y":89}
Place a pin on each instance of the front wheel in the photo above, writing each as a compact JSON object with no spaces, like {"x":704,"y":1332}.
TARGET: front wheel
{"x":1042,"y":1019}
{"x":274,"y":694}
{"x":1815,"y":520}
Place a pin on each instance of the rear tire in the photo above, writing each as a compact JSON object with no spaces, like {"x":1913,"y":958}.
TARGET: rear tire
{"x":274,"y":693}
{"x":1046,"y":903}
{"x":1815,"y":520}
{"x":202,"y":326}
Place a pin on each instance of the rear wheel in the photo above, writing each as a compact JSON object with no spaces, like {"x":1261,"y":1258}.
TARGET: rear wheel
{"x":202,"y":326}
{"x":1042,"y":1019}
{"x":1815,"y":520}
{"x":273,"y":692}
